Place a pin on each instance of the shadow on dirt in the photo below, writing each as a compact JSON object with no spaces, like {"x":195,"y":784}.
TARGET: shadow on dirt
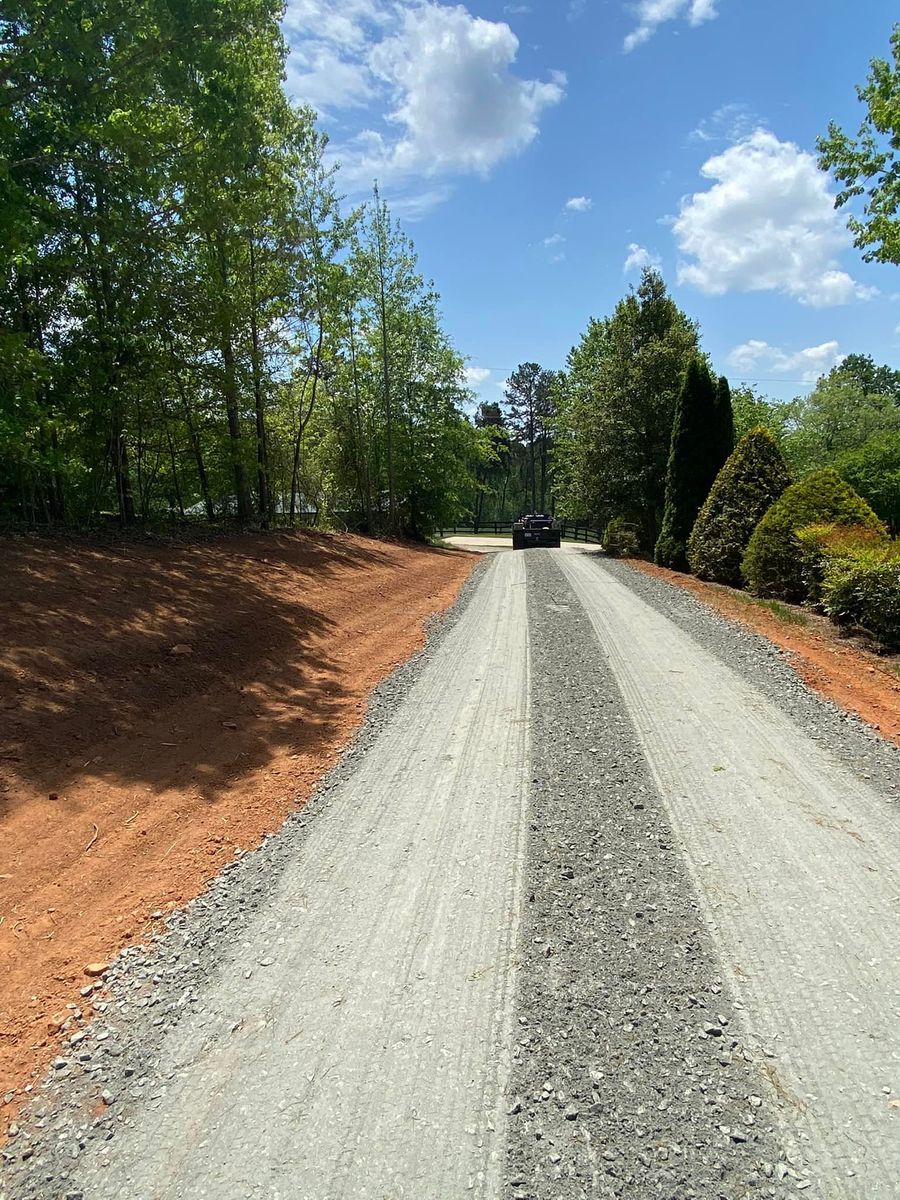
{"x":162,"y":665}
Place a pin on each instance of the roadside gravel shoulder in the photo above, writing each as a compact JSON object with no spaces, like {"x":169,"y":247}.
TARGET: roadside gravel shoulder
{"x":113,"y":1050}
{"x":768,"y":668}
{"x":630,"y":1075}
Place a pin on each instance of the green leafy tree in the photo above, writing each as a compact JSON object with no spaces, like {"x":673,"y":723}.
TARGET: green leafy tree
{"x":616,"y":403}
{"x":835,"y":417}
{"x":874,"y":380}
{"x":869,"y":164}
{"x":753,"y":411}
{"x":749,"y":483}
{"x":874,"y":471}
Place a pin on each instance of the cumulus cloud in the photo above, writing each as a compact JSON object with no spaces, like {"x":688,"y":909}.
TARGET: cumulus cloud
{"x":555,"y":239}
{"x":653,"y":13}
{"x":808,"y":364}
{"x":439,"y":83}
{"x":579,"y":204}
{"x":458,"y":103}
{"x":767,"y":224}
{"x":638,"y":258}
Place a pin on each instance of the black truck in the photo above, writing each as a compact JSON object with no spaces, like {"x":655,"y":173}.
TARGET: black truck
{"x":536,"y":530}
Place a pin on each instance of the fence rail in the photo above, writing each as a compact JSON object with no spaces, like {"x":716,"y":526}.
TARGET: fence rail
{"x":578,"y":531}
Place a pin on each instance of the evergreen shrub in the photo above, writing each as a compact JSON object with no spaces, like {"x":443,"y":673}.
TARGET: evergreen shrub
{"x":750,"y":482}
{"x":773,"y":564}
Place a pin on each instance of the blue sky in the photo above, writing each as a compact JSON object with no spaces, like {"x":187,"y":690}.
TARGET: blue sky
{"x":539,"y":152}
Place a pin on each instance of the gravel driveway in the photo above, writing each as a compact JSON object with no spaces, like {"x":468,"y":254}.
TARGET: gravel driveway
{"x":586,"y":912}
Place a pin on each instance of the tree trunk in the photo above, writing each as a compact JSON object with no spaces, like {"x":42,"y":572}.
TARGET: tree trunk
{"x":386,"y":379}
{"x":262,"y":451}
{"x":230,"y":392}
{"x":361,"y":450}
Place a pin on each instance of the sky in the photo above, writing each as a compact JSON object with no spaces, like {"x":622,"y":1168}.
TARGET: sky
{"x":540,"y":153}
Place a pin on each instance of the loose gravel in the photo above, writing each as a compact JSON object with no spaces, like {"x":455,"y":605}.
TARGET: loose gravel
{"x":768,"y":668}
{"x":113,"y":1044}
{"x":630,"y":1075}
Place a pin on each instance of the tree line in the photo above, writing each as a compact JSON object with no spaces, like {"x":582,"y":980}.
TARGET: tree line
{"x":189,"y":326}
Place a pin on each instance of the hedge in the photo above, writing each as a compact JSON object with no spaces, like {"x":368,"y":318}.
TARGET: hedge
{"x":862,"y":589}
{"x":773,"y":564}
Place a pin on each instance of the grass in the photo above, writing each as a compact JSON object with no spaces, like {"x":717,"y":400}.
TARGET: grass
{"x":790,"y":616}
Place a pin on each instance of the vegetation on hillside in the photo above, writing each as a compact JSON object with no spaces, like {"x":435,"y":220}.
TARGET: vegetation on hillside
{"x":189,"y":326}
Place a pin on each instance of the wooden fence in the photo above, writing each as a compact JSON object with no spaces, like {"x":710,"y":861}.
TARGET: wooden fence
{"x":578,"y":531}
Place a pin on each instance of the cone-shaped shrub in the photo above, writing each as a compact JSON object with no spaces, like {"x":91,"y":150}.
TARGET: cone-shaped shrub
{"x":747,"y":486}
{"x":773,"y":564}
{"x":694,"y":462}
{"x":724,"y":419}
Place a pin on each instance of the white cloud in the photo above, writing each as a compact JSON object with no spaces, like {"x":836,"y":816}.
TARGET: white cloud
{"x":579,"y":204}
{"x":476,"y":376}
{"x":457,"y":101}
{"x":653,"y":13}
{"x":440,"y":84}
{"x":555,"y":239}
{"x":809,"y":364}
{"x":638,"y":258}
{"x":729,"y":123}
{"x":767,"y":224}
{"x":320,"y":77}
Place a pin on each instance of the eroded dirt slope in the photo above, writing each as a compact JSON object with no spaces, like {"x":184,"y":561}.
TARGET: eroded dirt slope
{"x":159,"y":708}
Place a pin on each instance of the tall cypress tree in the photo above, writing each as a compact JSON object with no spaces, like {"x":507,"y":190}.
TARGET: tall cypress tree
{"x":694,"y":462}
{"x":724,"y":421}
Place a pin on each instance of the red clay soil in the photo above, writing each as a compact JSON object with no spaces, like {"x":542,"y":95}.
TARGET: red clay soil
{"x":161,"y":706}
{"x":845,"y":671}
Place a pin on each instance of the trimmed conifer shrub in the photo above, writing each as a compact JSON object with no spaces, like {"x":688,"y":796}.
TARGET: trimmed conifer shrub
{"x":694,"y":462}
{"x":774,"y":562}
{"x":751,"y":481}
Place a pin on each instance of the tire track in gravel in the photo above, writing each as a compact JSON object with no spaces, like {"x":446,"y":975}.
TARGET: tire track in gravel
{"x":354,"y":1042}
{"x":797,"y":861}
{"x":616,"y":1091}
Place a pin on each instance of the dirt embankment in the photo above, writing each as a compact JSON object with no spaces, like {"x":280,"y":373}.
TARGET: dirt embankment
{"x":159,"y":708}
{"x":844,"y":671}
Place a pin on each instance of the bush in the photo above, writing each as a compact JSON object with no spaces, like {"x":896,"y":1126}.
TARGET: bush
{"x":621,"y":539}
{"x":862,"y":589}
{"x":750,"y":482}
{"x":773,"y":564}
{"x":824,"y":544}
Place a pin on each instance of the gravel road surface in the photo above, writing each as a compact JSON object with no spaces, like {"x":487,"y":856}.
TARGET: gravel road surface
{"x":797,"y":862}
{"x":584,"y":913}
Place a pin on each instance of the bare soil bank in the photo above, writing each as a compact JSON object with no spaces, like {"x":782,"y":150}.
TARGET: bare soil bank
{"x":161,"y":707}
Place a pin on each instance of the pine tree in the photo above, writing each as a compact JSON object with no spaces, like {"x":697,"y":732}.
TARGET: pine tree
{"x":693,"y":463}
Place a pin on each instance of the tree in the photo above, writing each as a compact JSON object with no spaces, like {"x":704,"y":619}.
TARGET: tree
{"x":528,"y":400}
{"x":869,"y":165}
{"x":749,"y":483}
{"x":616,"y":403}
{"x":874,"y":471}
{"x":835,"y":417}
{"x":694,"y":462}
{"x":752,"y":411}
{"x":724,"y":420}
{"x":874,"y":380}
